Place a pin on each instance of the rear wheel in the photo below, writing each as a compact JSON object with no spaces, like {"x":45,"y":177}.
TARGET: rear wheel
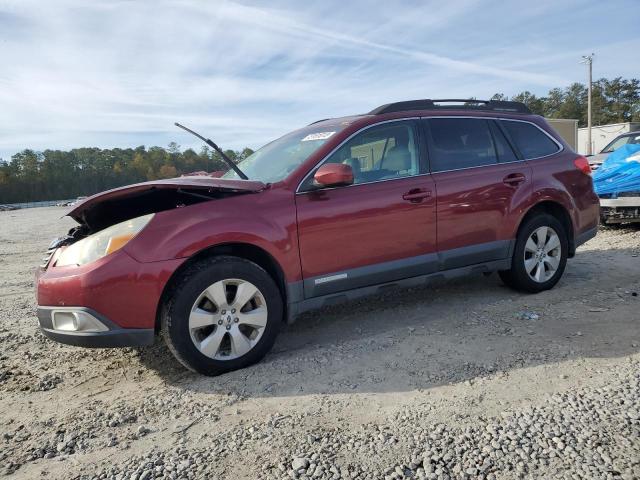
{"x":223,"y":314}
{"x":540,"y":255}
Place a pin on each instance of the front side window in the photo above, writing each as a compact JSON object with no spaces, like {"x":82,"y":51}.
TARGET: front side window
{"x":381,"y":152}
{"x":529,"y":139}
{"x":458,"y":143}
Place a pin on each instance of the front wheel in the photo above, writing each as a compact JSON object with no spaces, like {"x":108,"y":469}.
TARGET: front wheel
{"x":222,"y":315}
{"x":540,"y":255}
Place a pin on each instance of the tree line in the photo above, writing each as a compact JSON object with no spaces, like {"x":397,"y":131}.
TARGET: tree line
{"x":613,"y":101}
{"x":55,"y":175}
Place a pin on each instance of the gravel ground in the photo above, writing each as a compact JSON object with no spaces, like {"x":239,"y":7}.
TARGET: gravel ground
{"x":460,"y":380}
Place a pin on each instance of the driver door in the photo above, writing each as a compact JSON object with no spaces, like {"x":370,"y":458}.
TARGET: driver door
{"x":380,"y":229}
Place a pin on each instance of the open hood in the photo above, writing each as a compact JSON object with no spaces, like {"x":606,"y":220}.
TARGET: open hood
{"x":120,"y":204}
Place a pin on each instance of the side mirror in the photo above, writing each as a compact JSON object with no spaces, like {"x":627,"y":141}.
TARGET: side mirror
{"x":333,"y":175}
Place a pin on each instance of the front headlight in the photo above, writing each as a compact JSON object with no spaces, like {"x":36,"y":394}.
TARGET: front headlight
{"x":102,"y":243}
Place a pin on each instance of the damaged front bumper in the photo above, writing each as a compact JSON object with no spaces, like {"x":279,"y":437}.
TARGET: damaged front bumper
{"x":112,"y":302}
{"x":81,"y":326}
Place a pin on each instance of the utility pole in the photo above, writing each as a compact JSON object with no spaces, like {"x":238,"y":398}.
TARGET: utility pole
{"x":588,"y":59}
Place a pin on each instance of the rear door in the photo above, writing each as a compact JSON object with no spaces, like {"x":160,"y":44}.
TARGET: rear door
{"x":480,"y":182}
{"x":381,"y":228}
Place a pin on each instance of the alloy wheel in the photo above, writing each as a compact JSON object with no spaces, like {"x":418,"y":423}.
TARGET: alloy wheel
{"x":228,"y":319}
{"x":542,"y":254}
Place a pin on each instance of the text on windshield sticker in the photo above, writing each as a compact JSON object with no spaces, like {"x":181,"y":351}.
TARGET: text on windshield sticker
{"x":317,"y":136}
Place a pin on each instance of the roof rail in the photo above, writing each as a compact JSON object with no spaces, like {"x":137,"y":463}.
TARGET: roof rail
{"x":467,"y":104}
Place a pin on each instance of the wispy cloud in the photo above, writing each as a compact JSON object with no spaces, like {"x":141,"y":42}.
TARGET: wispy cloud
{"x":118,"y":73}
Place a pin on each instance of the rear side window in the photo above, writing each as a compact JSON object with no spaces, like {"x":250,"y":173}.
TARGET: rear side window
{"x":530,"y":140}
{"x":505,"y":152}
{"x":458,"y":143}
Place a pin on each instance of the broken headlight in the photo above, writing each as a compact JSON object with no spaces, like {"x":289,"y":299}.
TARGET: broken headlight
{"x":102,"y":243}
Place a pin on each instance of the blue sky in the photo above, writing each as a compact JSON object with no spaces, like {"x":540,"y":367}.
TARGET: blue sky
{"x":119,"y":73}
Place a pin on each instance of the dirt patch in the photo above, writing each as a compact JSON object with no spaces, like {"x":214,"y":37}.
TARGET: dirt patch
{"x":465,"y":379}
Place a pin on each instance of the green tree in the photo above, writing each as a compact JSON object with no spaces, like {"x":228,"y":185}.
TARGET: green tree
{"x":613,"y":101}
{"x":55,"y":174}
{"x":535,"y":104}
{"x":58,"y":175}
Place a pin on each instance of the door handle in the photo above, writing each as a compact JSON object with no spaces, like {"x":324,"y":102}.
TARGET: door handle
{"x":514,"y":179}
{"x":416,"y":195}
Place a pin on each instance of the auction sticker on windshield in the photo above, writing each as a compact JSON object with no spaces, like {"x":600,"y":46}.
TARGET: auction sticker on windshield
{"x":317,"y":136}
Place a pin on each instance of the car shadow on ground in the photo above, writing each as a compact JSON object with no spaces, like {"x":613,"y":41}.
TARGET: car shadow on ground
{"x":441,"y":333}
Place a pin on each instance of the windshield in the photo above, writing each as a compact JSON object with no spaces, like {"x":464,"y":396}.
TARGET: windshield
{"x":277,"y":159}
{"x":620,"y":141}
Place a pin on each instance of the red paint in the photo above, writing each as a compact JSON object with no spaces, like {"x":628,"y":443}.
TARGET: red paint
{"x":480,"y":205}
{"x":332,"y":174}
{"x":323,"y":231}
{"x":360,"y":225}
{"x":195,"y":181}
{"x":117,"y":286}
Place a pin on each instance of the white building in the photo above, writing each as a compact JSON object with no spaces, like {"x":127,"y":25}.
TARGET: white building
{"x":567,"y":128}
{"x":601,"y":135}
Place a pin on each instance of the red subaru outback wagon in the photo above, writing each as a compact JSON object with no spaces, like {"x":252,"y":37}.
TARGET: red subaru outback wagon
{"x":341,"y":208}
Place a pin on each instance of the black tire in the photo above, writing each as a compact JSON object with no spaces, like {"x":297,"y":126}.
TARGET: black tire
{"x":517,"y":277}
{"x":188,"y":288}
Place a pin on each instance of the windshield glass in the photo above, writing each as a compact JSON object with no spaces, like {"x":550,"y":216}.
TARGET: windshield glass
{"x":619,"y":142}
{"x":277,"y":159}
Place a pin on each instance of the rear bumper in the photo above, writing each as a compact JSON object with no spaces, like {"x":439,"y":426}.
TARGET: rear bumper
{"x":620,"y":210}
{"x":97,"y":331}
{"x":620,"y":202}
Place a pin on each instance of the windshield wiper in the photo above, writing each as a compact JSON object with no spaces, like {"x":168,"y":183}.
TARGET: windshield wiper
{"x":227,"y":160}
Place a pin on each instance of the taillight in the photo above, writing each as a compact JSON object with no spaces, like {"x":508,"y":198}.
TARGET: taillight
{"x":582,"y":164}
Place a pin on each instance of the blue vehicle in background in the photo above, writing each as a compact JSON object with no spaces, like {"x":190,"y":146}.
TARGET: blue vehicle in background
{"x":617,"y":180}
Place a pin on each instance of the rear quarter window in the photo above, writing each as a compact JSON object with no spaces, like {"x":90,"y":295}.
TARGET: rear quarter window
{"x":529,"y":139}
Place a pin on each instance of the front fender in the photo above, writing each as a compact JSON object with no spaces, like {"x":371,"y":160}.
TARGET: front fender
{"x":266,"y":220}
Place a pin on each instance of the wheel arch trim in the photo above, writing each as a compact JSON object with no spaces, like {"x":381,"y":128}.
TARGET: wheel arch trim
{"x":557,"y":209}
{"x":245,"y":250}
